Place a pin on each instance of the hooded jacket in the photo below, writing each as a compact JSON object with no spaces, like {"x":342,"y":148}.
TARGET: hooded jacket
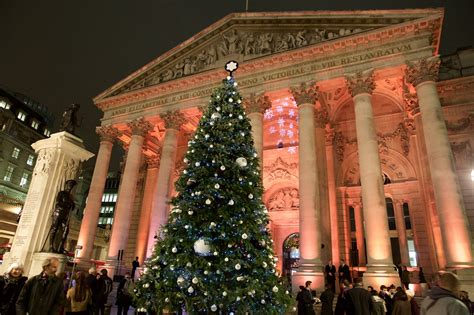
{"x":442,"y":301}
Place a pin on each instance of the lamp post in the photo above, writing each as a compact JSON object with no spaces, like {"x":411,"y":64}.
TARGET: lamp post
{"x":76,"y":252}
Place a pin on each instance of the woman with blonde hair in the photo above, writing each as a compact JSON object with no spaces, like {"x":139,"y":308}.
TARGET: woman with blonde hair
{"x":11,"y":284}
{"x":79,"y":296}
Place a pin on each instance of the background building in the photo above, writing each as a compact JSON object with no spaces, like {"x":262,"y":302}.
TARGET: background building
{"x":23,"y":121}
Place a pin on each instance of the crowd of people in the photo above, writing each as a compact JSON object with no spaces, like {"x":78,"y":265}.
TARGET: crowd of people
{"x":445,"y":297}
{"x":63,"y":294}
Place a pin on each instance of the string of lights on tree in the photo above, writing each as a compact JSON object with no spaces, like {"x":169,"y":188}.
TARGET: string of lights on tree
{"x":215,"y":254}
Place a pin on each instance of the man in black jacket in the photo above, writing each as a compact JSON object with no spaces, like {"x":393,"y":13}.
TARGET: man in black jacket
{"x":42,"y":294}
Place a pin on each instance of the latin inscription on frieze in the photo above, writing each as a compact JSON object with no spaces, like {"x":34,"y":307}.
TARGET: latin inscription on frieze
{"x":268,"y":77}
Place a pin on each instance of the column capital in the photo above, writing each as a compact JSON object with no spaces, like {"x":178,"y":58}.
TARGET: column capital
{"x":173,"y":119}
{"x":140,"y":127}
{"x":360,"y":82}
{"x":423,"y":70}
{"x":257,"y":103}
{"x":153,"y":161}
{"x":107,"y":133}
{"x":321,"y":117}
{"x":330,"y":135}
{"x":305,"y":93}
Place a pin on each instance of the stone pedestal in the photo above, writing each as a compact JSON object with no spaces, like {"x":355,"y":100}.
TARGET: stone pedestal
{"x":376,"y":279}
{"x":466,"y":276}
{"x":37,"y":261}
{"x":59,"y":159}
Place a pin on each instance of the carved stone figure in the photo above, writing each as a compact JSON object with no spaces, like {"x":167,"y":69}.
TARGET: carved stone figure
{"x":202,"y":59}
{"x":167,"y":75}
{"x":211,"y":55}
{"x":266,"y":43}
{"x":232,"y":42}
{"x":60,"y":218}
{"x":249,"y":46}
{"x":70,"y":120}
{"x":284,"y":199}
{"x":179,"y":70}
{"x":300,"y":39}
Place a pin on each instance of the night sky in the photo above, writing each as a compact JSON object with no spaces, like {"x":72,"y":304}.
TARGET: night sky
{"x":60,"y":52}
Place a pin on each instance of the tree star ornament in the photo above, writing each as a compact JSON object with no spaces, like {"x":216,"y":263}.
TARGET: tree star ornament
{"x":231,"y":66}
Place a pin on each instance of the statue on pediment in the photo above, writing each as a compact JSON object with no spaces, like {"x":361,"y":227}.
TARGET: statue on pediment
{"x":265,"y":41}
{"x":232,"y":42}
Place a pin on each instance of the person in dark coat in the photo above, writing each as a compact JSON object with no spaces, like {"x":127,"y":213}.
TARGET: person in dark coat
{"x":306,"y":300}
{"x":344,"y":272}
{"x":135,"y":265}
{"x":327,"y":298}
{"x":124,"y":299}
{"x":11,"y":284}
{"x":342,"y":302}
{"x":385,"y":295}
{"x":360,"y":300}
{"x":42,"y":294}
{"x":299,"y":299}
{"x":330,"y":273}
{"x":405,"y":277}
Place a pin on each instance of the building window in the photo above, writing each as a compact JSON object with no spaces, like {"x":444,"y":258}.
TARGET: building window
{"x":46,"y":132}
{"x":24,"y":180}
{"x":412,"y":253}
{"x":30,"y":160}
{"x":4,"y":104}
{"x":35,"y":124}
{"x":8,"y":173}
{"x":106,"y":209}
{"x":390,"y":214}
{"x":406,"y":216}
{"x":21,"y":115}
{"x":109,"y":198}
{"x":15,"y":152}
{"x":352,"y":218}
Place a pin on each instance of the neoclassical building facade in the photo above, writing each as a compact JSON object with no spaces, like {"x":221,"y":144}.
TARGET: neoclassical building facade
{"x":365,"y":155}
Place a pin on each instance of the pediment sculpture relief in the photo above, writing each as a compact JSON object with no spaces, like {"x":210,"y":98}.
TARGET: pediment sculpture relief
{"x":247,"y":44}
{"x":285,"y":199}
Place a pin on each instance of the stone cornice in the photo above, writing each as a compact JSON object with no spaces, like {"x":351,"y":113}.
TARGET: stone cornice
{"x":361,"y":82}
{"x":424,"y":70}
{"x":422,"y":25}
{"x":305,"y":93}
{"x":257,"y":103}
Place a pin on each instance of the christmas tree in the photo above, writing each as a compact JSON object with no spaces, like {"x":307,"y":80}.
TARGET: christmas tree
{"x":215,"y":256}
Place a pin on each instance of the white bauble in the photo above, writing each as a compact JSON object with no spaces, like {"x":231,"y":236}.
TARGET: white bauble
{"x":275,"y":289}
{"x":231,"y":202}
{"x":213,"y":307}
{"x":201,"y":247}
{"x":190,"y":289}
{"x":215,"y":116}
{"x":241,"y":161}
{"x":237,"y":267}
{"x":195,"y":280}
{"x":174,"y":250}
{"x":180,"y":281}
{"x":244,"y":236}
{"x":208,"y":201}
{"x":224,"y":293}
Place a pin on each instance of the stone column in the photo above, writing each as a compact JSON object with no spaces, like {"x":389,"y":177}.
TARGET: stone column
{"x":380,"y":263}
{"x":402,"y":232}
{"x":359,"y":222}
{"x":160,"y":204}
{"x":321,"y":118}
{"x":332,"y":197}
{"x":448,"y":196}
{"x":59,"y":159}
{"x":127,"y":189}
{"x":310,"y":211}
{"x":145,"y":213}
{"x":255,"y":106}
{"x":88,"y":230}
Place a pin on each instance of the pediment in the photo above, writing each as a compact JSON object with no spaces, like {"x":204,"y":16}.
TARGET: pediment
{"x":247,"y":36}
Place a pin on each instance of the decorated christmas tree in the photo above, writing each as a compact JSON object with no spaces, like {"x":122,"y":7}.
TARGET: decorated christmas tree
{"x":215,"y":256}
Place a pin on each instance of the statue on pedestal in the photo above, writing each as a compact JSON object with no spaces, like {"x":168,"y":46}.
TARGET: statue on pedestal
{"x":70,"y":119}
{"x":60,"y":218}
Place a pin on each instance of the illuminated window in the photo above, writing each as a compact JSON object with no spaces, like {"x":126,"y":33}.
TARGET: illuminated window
{"x":4,"y":104}
{"x":35,"y":124}
{"x":8,"y":173}
{"x":46,"y":132}
{"x":15,"y":152}
{"x":412,"y":253}
{"x":21,"y":115}
{"x":24,"y":180}
{"x":31,"y":160}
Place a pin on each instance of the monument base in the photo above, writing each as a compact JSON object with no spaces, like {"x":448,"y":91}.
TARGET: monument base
{"x":37,"y":263}
{"x":302,"y":275}
{"x":466,"y":276}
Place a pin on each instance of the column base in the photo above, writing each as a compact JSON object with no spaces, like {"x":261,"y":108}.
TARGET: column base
{"x":37,"y":263}
{"x":466,"y":276}
{"x":305,"y":273}
{"x":84,"y":264}
{"x":377,"y":275}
